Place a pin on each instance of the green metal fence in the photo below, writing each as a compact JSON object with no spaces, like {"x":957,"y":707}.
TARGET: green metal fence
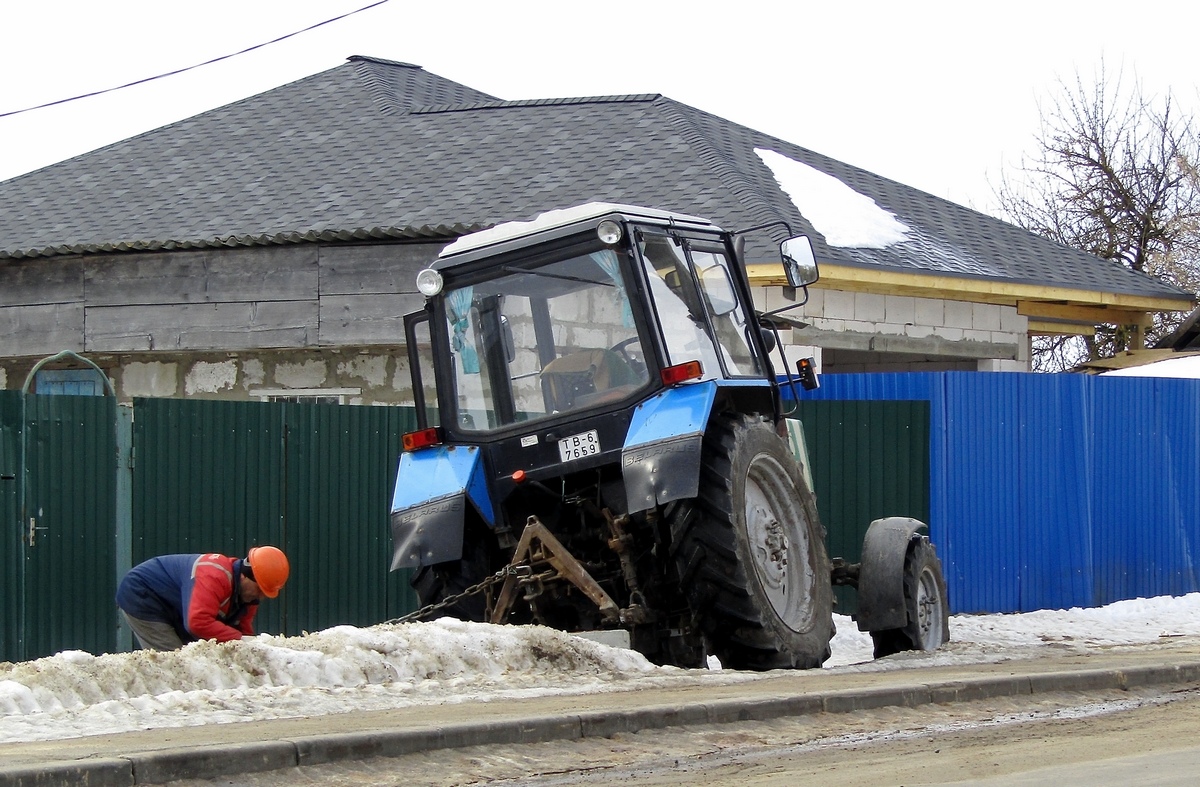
{"x":339,"y":467}
{"x":315,"y":479}
{"x":312,"y":479}
{"x":84,"y":495}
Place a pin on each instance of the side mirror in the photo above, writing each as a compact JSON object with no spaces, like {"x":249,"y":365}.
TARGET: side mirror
{"x":799,"y":262}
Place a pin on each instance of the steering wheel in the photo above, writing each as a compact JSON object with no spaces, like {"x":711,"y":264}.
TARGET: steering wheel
{"x":621,"y":348}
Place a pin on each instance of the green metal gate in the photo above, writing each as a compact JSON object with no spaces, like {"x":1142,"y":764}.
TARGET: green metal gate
{"x":314,"y":479}
{"x":59,"y":500}
{"x":869,"y":459}
{"x":10,"y":541}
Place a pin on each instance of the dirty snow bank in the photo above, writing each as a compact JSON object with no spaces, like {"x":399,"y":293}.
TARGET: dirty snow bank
{"x":345,"y":668}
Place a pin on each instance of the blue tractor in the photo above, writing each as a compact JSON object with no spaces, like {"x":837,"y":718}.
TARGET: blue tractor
{"x":602,"y":443}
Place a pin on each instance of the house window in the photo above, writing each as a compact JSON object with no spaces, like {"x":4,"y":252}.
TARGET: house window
{"x":306,"y":395}
{"x":69,"y":382}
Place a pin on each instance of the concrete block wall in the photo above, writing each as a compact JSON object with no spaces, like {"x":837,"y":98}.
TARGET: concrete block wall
{"x":373,"y":374}
{"x":368,"y":375}
{"x":937,"y":327}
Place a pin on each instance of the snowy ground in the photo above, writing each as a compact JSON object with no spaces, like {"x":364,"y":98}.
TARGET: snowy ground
{"x":74,"y":694}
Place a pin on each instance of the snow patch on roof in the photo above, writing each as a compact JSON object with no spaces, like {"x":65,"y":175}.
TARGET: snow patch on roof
{"x":847,"y":218}
{"x":925,"y":252}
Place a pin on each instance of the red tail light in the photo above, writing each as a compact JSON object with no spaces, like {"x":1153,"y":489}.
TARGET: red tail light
{"x":692,"y":370}
{"x":421,"y":439}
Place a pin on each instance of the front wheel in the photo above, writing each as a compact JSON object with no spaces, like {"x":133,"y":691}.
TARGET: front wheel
{"x":751,"y":553}
{"x":925,"y":601}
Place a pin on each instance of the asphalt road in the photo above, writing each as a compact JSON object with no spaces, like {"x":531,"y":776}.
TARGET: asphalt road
{"x":777,"y":718}
{"x":1059,"y":739}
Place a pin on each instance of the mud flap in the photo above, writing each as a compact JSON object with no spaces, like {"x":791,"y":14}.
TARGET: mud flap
{"x":429,"y":504}
{"x":660,"y":460}
{"x":881,"y":602}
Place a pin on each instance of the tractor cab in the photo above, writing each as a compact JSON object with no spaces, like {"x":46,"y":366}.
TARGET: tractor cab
{"x":586,"y":309}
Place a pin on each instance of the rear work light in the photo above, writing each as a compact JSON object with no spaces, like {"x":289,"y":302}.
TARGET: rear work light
{"x":808,"y":374}
{"x":692,"y":370}
{"x":424,"y":438}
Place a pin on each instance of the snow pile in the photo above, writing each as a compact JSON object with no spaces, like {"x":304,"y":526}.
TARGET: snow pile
{"x":1122,"y":623}
{"x":337,"y":670}
{"x":346,"y":669}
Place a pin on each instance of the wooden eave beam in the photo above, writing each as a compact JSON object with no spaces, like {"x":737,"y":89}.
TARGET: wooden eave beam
{"x":1086,"y":315}
{"x":1042,"y":328}
{"x":958,"y":288}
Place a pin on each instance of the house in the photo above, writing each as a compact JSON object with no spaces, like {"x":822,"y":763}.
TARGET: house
{"x":268,"y":249}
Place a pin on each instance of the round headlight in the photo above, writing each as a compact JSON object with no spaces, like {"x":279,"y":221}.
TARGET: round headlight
{"x":429,"y":282}
{"x":609,"y":232}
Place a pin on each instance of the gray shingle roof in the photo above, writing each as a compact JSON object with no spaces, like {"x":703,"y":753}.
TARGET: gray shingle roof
{"x":377,"y":149}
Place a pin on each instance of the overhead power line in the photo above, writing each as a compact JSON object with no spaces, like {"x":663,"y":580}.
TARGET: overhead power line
{"x":193,"y":67}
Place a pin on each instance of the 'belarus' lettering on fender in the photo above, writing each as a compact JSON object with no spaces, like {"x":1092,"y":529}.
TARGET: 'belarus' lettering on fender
{"x":646,"y":453}
{"x":658,"y":473}
{"x":431,"y":509}
{"x":429,"y":533}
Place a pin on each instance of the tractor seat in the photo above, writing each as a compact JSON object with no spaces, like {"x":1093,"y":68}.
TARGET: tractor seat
{"x":574,"y":380}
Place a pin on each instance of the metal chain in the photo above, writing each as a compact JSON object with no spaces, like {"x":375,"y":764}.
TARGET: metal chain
{"x":475,"y":589}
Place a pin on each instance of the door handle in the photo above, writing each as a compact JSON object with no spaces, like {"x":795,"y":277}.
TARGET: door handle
{"x":33,"y":528}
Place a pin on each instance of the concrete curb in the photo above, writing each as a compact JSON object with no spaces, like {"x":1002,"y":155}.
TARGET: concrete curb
{"x":209,"y":762}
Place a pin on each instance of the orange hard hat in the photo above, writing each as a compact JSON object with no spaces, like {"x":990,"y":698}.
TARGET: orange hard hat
{"x":270,"y":569}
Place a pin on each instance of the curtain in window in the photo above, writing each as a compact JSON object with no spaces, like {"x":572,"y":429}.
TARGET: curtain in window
{"x":458,"y":304}
{"x":608,"y":262}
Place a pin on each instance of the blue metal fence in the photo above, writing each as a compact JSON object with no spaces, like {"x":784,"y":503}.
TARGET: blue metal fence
{"x":1055,"y":491}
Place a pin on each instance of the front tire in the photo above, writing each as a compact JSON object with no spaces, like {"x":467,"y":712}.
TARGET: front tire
{"x":925,"y":601}
{"x":751,"y":553}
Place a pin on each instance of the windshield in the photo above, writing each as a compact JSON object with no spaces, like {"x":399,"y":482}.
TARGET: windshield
{"x":542,"y":340}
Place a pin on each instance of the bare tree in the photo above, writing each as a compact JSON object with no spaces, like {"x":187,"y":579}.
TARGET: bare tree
{"x":1114,"y":175}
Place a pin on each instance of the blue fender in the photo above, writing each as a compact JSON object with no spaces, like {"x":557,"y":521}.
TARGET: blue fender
{"x":660,"y":460}
{"x":429,"y":503}
{"x":881,"y":576}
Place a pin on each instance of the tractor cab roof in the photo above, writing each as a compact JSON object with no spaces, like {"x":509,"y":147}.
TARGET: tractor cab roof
{"x":552,"y":224}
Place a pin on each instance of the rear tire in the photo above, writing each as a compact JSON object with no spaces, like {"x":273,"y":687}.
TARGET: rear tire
{"x":751,"y":553}
{"x":925,"y":601}
{"x":438,"y":582}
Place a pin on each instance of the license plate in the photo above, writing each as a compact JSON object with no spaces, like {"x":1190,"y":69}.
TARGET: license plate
{"x":579,"y":445}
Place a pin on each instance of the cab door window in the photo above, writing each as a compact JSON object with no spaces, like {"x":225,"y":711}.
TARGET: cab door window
{"x":696,"y":300}
{"x":726,"y":313}
{"x":677,"y":303}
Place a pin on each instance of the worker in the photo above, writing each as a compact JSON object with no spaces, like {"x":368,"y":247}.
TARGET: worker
{"x":171,"y":600}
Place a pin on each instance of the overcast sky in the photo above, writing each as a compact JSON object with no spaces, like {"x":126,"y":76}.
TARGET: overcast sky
{"x":938,"y":95}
